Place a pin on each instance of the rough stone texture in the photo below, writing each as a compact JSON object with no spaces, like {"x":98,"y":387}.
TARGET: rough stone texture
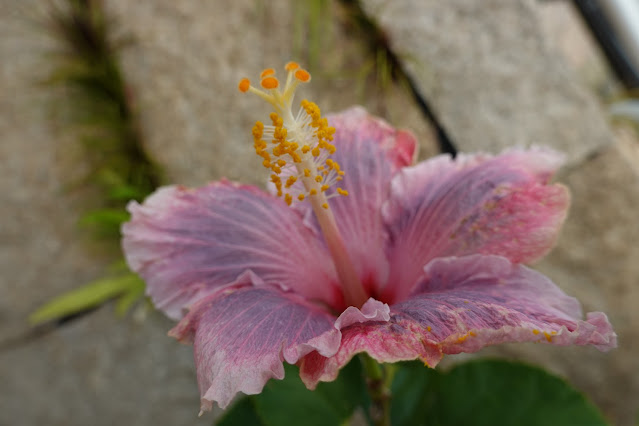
{"x":101,"y":371}
{"x":566,"y":32}
{"x":43,"y":253}
{"x":490,"y":75}
{"x":189,"y":57}
{"x":496,"y":79}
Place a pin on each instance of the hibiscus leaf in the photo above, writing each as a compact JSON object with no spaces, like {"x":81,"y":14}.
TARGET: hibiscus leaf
{"x":287,"y":402}
{"x":413,"y":393}
{"x":241,"y":413}
{"x":487,"y":392}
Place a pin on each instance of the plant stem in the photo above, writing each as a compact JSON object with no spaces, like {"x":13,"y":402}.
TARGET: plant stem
{"x":378,"y":379}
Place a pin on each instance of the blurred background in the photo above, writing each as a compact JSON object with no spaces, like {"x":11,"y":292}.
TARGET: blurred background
{"x":102,"y":101}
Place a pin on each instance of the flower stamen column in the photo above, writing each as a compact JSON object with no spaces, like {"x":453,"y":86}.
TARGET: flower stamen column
{"x":298,"y":156}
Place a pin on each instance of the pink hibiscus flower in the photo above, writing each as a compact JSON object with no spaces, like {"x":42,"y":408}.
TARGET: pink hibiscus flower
{"x":401,"y":261}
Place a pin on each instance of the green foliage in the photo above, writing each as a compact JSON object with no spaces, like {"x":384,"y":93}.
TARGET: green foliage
{"x":288,"y":402}
{"x":242,"y":413}
{"x":488,"y":392}
{"x":105,"y":222}
{"x":127,"y":287}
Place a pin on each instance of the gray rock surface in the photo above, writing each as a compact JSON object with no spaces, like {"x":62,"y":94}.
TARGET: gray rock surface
{"x":101,"y":371}
{"x":43,"y":253}
{"x":189,"y":57}
{"x":491,"y":76}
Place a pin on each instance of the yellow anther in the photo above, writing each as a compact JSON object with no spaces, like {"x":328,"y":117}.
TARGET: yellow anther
{"x":292,"y":137}
{"x":270,"y":83}
{"x":548,"y":336}
{"x":290,"y":181}
{"x":267,"y":72}
{"x":244,"y":85}
{"x":276,"y":119}
{"x":429,"y":328}
{"x":535,"y":331}
{"x":303,"y":75}
{"x":280,"y":133}
{"x":258,"y":130}
{"x":291,"y":66}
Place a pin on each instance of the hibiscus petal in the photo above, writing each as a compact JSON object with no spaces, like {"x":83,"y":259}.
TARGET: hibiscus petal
{"x":370,"y":151}
{"x":241,"y":335}
{"x":461,"y":305}
{"x":185,"y":243}
{"x":372,"y":310}
{"x":475,"y":204}
{"x":478,"y":300}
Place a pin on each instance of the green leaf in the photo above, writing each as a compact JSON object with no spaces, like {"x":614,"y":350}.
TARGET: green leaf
{"x":105,"y":216}
{"x":88,"y":296}
{"x":241,"y":413}
{"x":413,"y":393}
{"x":126,"y":193}
{"x":105,"y":222}
{"x":489,"y":392}
{"x":288,"y":402}
{"x":132,"y":294}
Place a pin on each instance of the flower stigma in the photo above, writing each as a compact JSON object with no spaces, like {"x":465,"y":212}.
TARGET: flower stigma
{"x":296,"y":149}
